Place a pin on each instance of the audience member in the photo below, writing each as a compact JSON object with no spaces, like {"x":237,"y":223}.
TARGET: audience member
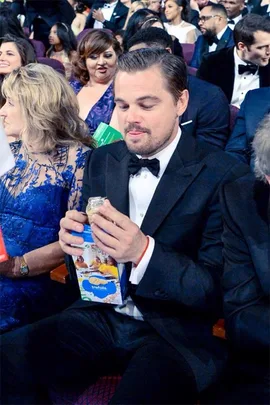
{"x":244,"y":67}
{"x":155,"y":5}
{"x":41,"y":112}
{"x":63,"y":46}
{"x":94,"y":70}
{"x":143,"y":19}
{"x":246,"y":280}
{"x":216,"y":34}
{"x":253,"y":109}
{"x":161,"y":338}
{"x":111,"y":15}
{"x":234,"y":10}
{"x":79,"y":21}
{"x":9,"y":24}
{"x":42,"y":15}
{"x":207,"y":114}
{"x":263,"y":8}
{"x":14,"y":53}
{"x":176,"y":12}
{"x":135,"y":6}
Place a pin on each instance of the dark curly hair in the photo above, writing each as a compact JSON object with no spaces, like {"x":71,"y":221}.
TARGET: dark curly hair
{"x":94,"y":42}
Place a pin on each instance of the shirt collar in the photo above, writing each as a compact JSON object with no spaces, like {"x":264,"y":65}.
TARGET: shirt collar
{"x":236,"y":19}
{"x":165,"y":154}
{"x":110,"y":5}
{"x":219,"y":35}
{"x":238,"y":61}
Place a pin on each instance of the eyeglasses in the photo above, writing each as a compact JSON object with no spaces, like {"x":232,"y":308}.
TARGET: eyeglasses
{"x":207,"y":17}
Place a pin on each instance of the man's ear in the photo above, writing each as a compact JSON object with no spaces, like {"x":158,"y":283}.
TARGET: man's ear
{"x":241,"y":46}
{"x":182,"y":103}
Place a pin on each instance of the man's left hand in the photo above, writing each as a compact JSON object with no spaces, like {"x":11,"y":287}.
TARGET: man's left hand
{"x":11,"y":267}
{"x":117,"y":235}
{"x":98,"y":15}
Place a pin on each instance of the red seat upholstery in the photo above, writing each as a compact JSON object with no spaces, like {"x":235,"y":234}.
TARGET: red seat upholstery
{"x":188,"y":50}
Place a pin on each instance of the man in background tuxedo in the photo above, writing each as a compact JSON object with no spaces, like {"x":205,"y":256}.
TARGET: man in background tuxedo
{"x":244,"y":67}
{"x":246,"y":279}
{"x":41,"y":15}
{"x":215,"y":33}
{"x":207,"y":114}
{"x":162,"y":218}
{"x":235,"y":11}
{"x":111,"y":15}
{"x":253,"y":109}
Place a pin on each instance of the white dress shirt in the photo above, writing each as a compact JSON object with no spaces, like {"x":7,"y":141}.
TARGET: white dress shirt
{"x":107,"y":11}
{"x":213,"y":47}
{"x":142,"y":187}
{"x":243,"y":83}
{"x":236,"y":19}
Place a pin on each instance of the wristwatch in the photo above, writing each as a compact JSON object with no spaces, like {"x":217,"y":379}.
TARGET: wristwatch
{"x":24,"y":269}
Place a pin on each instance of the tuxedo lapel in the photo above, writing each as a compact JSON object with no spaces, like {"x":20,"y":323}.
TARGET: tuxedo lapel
{"x":229,"y":76}
{"x":118,"y":12}
{"x":264,"y":73}
{"x":224,"y":40}
{"x":117,"y":179}
{"x":178,"y":176}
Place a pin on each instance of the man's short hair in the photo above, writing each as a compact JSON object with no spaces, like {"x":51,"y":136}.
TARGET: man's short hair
{"x":173,"y":68}
{"x":247,"y":26}
{"x":261,"y":148}
{"x":152,"y":37}
{"x":218,"y":9}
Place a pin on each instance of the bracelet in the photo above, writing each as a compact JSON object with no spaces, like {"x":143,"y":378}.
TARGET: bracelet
{"x":143,"y":253}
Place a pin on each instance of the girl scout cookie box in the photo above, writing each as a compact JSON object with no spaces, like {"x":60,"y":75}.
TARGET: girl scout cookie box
{"x":100,"y":278}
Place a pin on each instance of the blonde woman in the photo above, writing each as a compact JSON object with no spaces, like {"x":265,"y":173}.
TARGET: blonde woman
{"x":176,"y":12}
{"x":42,"y":113}
{"x":136,"y":5}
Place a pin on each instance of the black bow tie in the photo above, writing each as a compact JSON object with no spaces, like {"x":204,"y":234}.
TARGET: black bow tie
{"x":247,"y":69}
{"x":135,"y":164}
{"x":231,"y":22}
{"x":212,"y":40}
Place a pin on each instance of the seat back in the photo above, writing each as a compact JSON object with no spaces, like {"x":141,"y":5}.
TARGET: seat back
{"x":53,"y":63}
{"x":188,"y":50}
{"x":192,"y":71}
{"x":39,"y":47}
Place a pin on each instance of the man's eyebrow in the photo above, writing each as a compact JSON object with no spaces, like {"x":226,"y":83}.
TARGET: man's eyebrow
{"x":144,"y":98}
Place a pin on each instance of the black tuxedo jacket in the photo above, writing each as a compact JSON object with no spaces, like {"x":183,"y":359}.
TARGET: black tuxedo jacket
{"x":246,"y":280}
{"x":117,"y":20}
{"x":261,"y":10}
{"x":218,"y":68}
{"x":208,"y":109}
{"x":52,"y":11}
{"x":180,"y":292}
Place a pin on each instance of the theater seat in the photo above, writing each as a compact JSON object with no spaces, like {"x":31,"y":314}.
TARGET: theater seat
{"x":192,"y":71}
{"x":188,"y":50}
{"x":39,"y":47}
{"x":53,"y":63}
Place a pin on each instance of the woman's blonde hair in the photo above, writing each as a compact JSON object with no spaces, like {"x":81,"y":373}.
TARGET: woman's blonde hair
{"x":49,"y":107}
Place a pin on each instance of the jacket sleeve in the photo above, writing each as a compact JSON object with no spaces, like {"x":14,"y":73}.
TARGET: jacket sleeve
{"x":246,"y":309}
{"x":237,"y":145}
{"x":204,"y":70}
{"x":66,"y":12}
{"x":195,"y":61}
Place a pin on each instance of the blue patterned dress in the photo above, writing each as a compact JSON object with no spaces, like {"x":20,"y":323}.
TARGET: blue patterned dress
{"x":101,"y":111}
{"x":34,"y":196}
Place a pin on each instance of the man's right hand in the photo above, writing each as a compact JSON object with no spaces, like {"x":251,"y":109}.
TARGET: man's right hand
{"x":73,"y":221}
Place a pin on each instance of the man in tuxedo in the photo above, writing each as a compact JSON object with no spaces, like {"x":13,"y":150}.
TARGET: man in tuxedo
{"x":235,"y":11}
{"x":216,"y":34}
{"x":162,"y":218}
{"x":246,"y":279}
{"x":207,"y":114}
{"x":244,"y":67}
{"x":253,"y":109}
{"x":262,"y":10}
{"x":111,"y":15}
{"x":42,"y":15}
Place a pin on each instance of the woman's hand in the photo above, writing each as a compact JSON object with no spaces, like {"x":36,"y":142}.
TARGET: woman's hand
{"x":11,"y":267}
